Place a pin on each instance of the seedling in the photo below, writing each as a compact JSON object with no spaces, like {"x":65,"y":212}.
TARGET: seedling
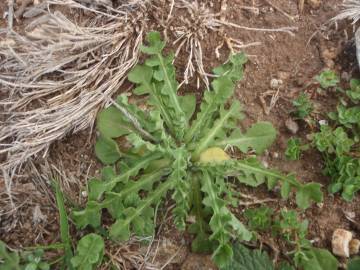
{"x":339,"y":144}
{"x":327,"y":79}
{"x":293,"y":230}
{"x":294,"y":148}
{"x":303,"y":106}
{"x":173,"y":152}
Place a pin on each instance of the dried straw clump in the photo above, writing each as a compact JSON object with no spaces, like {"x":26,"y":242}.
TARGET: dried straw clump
{"x":59,"y":73}
{"x":197,"y":23}
{"x":350,"y":10}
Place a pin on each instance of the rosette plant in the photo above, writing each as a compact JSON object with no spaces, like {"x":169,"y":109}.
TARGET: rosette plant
{"x":158,"y":148}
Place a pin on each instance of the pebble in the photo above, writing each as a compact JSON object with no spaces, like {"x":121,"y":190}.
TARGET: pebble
{"x":345,"y":76}
{"x":38,"y":216}
{"x":354,"y":246}
{"x":340,"y":242}
{"x":275,"y":155}
{"x":292,"y":126}
{"x":275,"y":83}
{"x":323,"y":122}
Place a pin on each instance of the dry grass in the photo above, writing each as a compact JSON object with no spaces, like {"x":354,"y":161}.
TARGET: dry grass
{"x":350,"y":11}
{"x":59,"y":74}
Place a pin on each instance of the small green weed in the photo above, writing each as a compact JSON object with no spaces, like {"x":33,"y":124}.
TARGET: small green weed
{"x":303,"y":106}
{"x":339,"y":144}
{"x":293,"y":149}
{"x":11,"y":260}
{"x":327,"y":79}
{"x":288,"y":226}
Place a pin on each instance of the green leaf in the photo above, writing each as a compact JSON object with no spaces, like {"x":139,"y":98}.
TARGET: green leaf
{"x":327,"y":78}
{"x":107,"y":150}
{"x":221,"y":222}
{"x":64,"y":225}
{"x":285,"y":190}
{"x":166,"y":86}
{"x":307,"y":193}
{"x":251,"y":172}
{"x":222,"y":255}
{"x":222,"y":89}
{"x":246,"y":259}
{"x":330,"y":141}
{"x":354,"y":264}
{"x":188,"y":104}
{"x":234,"y":68}
{"x":258,"y":137}
{"x":285,"y":266}
{"x":217,"y":129}
{"x":354,"y":92}
{"x":259,"y":218}
{"x":120,"y":230}
{"x":141,"y":74}
{"x":111,"y":124}
{"x":293,"y":149}
{"x":201,"y":243}
{"x":319,"y":259}
{"x":8,"y":260}
{"x":182,"y":188}
{"x":155,"y":44}
{"x":97,"y":187}
{"x":303,"y":106}
{"x":91,"y":215}
{"x":89,"y":252}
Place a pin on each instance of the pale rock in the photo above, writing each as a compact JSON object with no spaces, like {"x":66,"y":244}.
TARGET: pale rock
{"x":84,"y":194}
{"x":354,"y":246}
{"x":340,"y":242}
{"x":323,"y":122}
{"x":292,"y":126}
{"x":275,"y":83}
{"x":275,"y":155}
{"x":38,"y":216}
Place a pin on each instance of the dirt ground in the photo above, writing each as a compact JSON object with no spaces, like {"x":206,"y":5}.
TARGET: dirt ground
{"x":293,"y":59}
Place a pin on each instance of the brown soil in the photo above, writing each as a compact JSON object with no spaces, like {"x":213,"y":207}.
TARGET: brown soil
{"x":293,"y":59}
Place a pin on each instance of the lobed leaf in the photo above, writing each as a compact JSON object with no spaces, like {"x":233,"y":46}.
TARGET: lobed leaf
{"x":217,"y":130}
{"x":107,"y":150}
{"x":222,"y":89}
{"x":89,"y":252}
{"x":246,"y":259}
{"x":258,"y":137}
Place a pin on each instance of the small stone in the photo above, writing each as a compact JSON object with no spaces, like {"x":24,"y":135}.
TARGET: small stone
{"x":84,"y":193}
{"x":323,"y":122}
{"x":275,"y":83}
{"x":292,"y":126}
{"x":340,"y":242}
{"x":345,"y":76}
{"x":275,"y":155}
{"x":354,"y":246}
{"x":320,"y":205}
{"x":38,"y":216}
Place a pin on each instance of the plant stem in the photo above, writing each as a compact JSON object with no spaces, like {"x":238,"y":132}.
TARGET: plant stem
{"x":197,"y":201}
